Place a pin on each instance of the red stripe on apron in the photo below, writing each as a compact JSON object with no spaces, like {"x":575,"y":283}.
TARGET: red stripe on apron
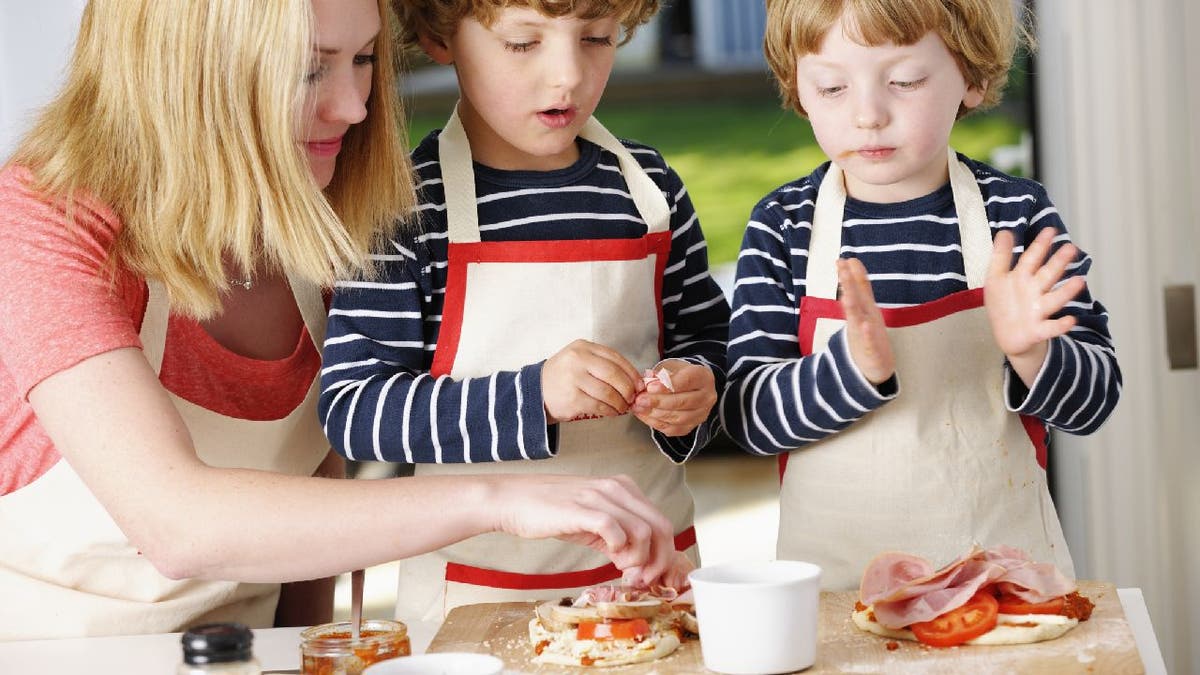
{"x":563,"y":250}
{"x":450,"y":332}
{"x":1037,"y":436}
{"x":659,"y":245}
{"x":812,"y":309}
{"x":462,"y":255}
{"x":478,"y":576}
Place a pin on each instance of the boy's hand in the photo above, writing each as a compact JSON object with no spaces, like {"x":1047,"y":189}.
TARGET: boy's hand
{"x":677,"y":412}
{"x":1020,"y":300}
{"x":585,"y":379}
{"x":866,"y":333}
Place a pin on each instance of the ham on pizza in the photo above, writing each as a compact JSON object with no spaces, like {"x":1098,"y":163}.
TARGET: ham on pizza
{"x":611,"y":625}
{"x":995,"y":596}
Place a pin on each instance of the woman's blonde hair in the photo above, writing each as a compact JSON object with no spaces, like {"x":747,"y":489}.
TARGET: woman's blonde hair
{"x":981,"y":34}
{"x":439,"y":19}
{"x":182,"y":117}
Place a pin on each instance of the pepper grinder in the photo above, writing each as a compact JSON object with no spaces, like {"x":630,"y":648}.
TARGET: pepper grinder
{"x":218,"y":649}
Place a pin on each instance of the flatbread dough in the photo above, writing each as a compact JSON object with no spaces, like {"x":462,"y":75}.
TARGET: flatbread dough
{"x":1011,"y":629}
{"x":563,"y":649}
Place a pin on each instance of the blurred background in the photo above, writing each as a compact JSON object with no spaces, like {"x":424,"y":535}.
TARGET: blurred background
{"x":1106,"y":114}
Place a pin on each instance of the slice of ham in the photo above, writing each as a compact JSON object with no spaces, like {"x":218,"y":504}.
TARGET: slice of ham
{"x":619,"y":592}
{"x":904,"y":589}
{"x":894,"y":576}
{"x":1033,"y":582}
{"x":661,"y":376}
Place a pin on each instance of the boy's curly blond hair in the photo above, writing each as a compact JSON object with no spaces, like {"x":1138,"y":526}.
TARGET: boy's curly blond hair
{"x":438,"y":19}
{"x":981,"y":34}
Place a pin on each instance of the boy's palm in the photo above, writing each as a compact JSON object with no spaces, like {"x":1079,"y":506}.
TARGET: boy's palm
{"x":1021,"y":300}
{"x":866,"y":332}
{"x":585,"y":379}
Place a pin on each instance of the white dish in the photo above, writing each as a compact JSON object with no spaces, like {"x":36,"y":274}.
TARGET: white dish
{"x":450,"y":663}
{"x":757,"y":617}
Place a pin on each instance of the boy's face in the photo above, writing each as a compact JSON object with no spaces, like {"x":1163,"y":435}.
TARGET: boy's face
{"x":884,"y":113}
{"x":528,"y":83}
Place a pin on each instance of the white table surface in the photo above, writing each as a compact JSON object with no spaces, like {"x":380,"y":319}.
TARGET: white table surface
{"x":278,"y":648}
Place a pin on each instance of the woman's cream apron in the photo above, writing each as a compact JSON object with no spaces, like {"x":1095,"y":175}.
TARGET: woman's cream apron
{"x":509,"y":304}
{"x":67,"y":570}
{"x":943,"y":465}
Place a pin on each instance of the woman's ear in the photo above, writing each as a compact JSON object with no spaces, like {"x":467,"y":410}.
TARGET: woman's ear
{"x":974,"y":95}
{"x":436,"y":49}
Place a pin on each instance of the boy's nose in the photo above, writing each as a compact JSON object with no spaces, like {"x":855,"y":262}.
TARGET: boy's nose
{"x":565,"y":69}
{"x":869,"y":112}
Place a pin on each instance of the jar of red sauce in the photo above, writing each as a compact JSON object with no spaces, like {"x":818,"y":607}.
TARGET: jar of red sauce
{"x":329,"y":650}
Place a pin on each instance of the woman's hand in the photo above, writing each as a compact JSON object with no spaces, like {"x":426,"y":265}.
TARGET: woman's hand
{"x":585,"y":379}
{"x":676,"y":574}
{"x":866,"y":333}
{"x":677,"y":411}
{"x":1021,"y":300}
{"x":609,"y":514}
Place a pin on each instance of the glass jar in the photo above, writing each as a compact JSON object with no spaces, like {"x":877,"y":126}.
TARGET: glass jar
{"x":328,"y":650}
{"x":218,"y":649}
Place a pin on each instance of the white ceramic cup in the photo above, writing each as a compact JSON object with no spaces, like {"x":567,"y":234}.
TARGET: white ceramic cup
{"x":757,"y":617}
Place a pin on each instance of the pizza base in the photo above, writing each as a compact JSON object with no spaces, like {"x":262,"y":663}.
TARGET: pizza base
{"x":1007,"y":630}
{"x":563,"y":649}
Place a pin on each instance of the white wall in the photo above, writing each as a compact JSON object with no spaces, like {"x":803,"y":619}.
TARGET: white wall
{"x":35,"y":42}
{"x":1119,"y":88}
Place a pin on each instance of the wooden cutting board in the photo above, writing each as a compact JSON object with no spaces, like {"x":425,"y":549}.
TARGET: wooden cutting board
{"x":1103,"y":644}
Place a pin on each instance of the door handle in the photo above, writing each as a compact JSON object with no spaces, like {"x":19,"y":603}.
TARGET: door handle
{"x":1179,"y":303}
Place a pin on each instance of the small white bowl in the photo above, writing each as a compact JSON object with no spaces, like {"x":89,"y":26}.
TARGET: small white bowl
{"x":449,"y":663}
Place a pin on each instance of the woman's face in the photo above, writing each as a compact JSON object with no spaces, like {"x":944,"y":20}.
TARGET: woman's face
{"x":339,"y":79}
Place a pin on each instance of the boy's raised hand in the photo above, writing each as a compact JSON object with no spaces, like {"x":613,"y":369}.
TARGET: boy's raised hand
{"x":866,"y":332}
{"x":676,"y":412}
{"x":585,"y":379}
{"x":1021,"y":298}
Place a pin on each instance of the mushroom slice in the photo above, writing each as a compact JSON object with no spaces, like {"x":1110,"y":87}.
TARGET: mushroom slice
{"x":630,"y":609}
{"x":566,"y":614}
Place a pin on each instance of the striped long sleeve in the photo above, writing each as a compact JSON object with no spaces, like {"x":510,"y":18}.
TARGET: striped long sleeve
{"x":379,"y":400}
{"x":777,"y":400}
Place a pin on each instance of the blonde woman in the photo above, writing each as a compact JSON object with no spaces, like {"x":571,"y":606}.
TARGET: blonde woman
{"x":166,"y":229}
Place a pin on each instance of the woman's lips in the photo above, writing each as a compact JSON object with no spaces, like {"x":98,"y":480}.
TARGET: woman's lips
{"x":557,"y":118}
{"x":328,"y":147}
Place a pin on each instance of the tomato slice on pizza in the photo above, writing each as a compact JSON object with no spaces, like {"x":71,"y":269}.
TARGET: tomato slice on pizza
{"x":628,"y":629}
{"x":1011,"y":604}
{"x":957,"y":626}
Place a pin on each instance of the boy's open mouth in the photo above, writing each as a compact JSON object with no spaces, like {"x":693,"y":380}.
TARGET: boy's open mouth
{"x":557,"y":118}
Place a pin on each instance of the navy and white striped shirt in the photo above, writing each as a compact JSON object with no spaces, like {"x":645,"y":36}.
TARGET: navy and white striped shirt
{"x":378,"y":399}
{"x":776,"y":400}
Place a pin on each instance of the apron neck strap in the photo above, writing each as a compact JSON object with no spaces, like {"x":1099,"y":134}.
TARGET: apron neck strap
{"x":649,"y":199}
{"x":458,"y":180}
{"x":825,"y":242}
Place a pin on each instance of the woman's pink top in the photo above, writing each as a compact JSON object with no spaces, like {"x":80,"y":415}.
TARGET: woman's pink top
{"x":60,"y":305}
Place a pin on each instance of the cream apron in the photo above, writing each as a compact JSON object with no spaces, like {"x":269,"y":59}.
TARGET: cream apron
{"x":70,"y":570}
{"x":944,"y":464}
{"x":509,"y":304}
